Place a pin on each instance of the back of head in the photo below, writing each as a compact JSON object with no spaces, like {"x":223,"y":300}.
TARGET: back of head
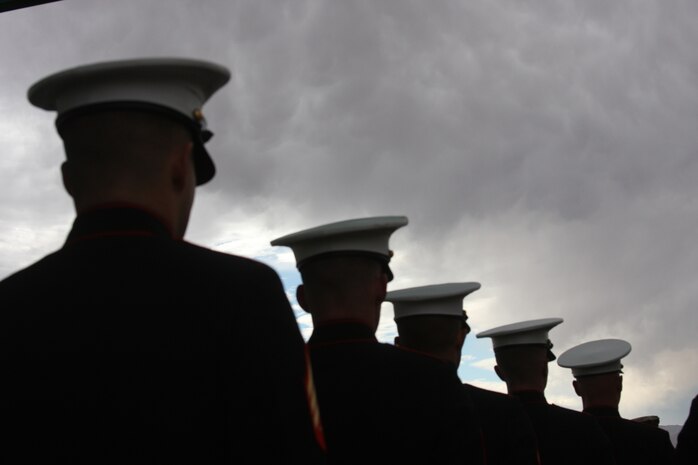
{"x":602,"y":390}
{"x":431,"y":334}
{"x":119,"y":150}
{"x":341,"y":281}
{"x":523,"y":367}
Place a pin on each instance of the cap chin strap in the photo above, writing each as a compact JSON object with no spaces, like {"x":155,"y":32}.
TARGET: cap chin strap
{"x":551,"y":355}
{"x":466,"y":326}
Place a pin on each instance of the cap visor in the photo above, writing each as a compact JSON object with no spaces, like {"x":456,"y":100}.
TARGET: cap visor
{"x":389,"y":272}
{"x":203,"y":165}
{"x":551,"y":356}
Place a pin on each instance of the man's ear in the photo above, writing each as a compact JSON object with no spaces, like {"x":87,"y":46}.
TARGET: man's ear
{"x":182,"y":166}
{"x":577,"y":390}
{"x":300,"y":298}
{"x":460,"y":339}
{"x":382,"y":288}
{"x":500,"y":373}
{"x":396,"y":341}
{"x":68,"y":178}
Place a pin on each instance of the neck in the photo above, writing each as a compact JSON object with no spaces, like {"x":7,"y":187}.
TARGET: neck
{"x":327,"y":308}
{"x":529,"y":397}
{"x":443,"y":356}
{"x":324,"y":316}
{"x":513,"y":387}
{"x":591,"y":402}
{"x":164,"y":209}
{"x":448,"y":356}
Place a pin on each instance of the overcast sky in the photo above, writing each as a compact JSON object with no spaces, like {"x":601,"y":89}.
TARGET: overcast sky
{"x":546,"y":149}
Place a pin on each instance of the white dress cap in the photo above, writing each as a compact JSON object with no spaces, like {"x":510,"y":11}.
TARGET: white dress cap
{"x":530,"y":332}
{"x":357,"y":236}
{"x":438,"y":299}
{"x":180,"y":86}
{"x":595,"y":357}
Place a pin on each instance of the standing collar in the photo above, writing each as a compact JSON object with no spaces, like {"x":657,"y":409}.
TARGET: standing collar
{"x":342,"y":331}
{"x":603,"y":411}
{"x":116,"y":220}
{"x":530,"y":397}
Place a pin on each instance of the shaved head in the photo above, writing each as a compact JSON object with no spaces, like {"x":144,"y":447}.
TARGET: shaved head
{"x":343,"y":287}
{"x":602,"y":390}
{"x":431,"y":334}
{"x":119,"y":148}
{"x":523,"y":367}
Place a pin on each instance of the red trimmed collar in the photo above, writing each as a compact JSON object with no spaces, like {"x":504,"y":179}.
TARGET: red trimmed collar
{"x":117,"y":220}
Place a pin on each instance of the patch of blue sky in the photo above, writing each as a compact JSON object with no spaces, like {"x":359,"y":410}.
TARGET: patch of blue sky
{"x":477,"y":364}
{"x":285,"y":267}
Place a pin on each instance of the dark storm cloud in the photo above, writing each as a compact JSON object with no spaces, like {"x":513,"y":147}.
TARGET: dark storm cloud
{"x":546,"y":149}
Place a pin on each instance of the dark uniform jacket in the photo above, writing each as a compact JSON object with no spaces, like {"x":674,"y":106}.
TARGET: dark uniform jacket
{"x":385,"y":405}
{"x":126,"y":346}
{"x":508,"y":433}
{"x":633,"y":443}
{"x":565,"y":437}
{"x":687,"y":442}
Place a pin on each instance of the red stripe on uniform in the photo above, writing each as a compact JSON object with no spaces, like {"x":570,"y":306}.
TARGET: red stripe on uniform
{"x":312,"y":402}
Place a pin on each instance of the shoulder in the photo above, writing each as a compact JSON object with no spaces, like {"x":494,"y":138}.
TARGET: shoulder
{"x":422,"y":366}
{"x":490,"y":395}
{"x":210,"y":262}
{"x":564,"y":411}
{"x":493,"y":399}
{"x":647,"y":432}
{"x":573,"y":417}
{"x":205,"y":255}
{"x":19,"y":278}
{"x":170,"y":256}
{"x":414,"y":358}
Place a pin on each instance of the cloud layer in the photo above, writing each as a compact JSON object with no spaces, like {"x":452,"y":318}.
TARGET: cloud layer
{"x":545,"y":149}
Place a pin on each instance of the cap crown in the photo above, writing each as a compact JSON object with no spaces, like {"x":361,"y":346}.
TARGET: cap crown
{"x":595,"y":357}
{"x":521,"y":333}
{"x":363,"y":235}
{"x":439,"y":299}
{"x":182,"y":85}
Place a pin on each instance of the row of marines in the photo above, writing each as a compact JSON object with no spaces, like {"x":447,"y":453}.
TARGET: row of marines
{"x":519,"y":428}
{"x":131,"y":345}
